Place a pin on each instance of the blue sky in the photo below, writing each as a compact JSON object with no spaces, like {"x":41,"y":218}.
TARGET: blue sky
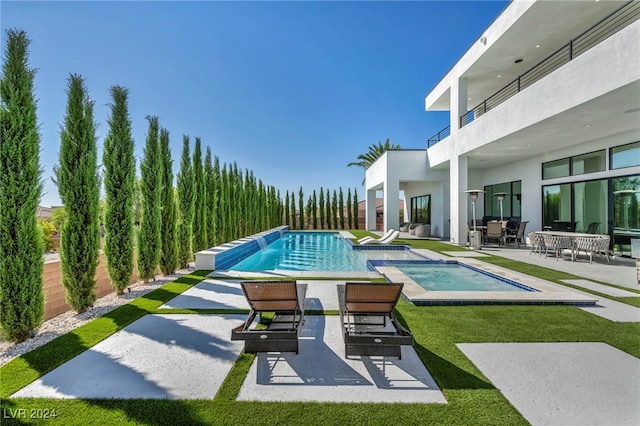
{"x":290,"y":90}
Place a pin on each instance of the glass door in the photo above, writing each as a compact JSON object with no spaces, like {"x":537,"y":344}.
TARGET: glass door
{"x":626,"y":213}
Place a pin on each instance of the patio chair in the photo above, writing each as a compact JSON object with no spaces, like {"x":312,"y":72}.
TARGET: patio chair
{"x":423,"y":231}
{"x":537,"y":243}
{"x":369,"y":327}
{"x":366,"y":240}
{"x":557,"y":243}
{"x":494,"y":232}
{"x":592,"y":246}
{"x":518,"y":236}
{"x":385,"y":241}
{"x":413,"y":226}
{"x":286,"y":300}
{"x":593,"y":228}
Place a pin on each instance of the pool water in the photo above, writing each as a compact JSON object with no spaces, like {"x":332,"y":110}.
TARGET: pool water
{"x":305,"y":251}
{"x":456,"y":277}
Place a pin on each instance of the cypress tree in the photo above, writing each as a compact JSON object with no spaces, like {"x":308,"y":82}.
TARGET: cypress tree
{"x":341,"y":208}
{"x":301,"y":205}
{"x":210,"y":190}
{"x":21,"y":245}
{"x":286,"y":209}
{"x":314,"y":210}
{"x":199,"y":211}
{"x":334,"y":209}
{"x":328,"y":206}
{"x":78,"y":185}
{"x":168,"y":244}
{"x":293,"y":210}
{"x":215,"y":202}
{"x":349,"y":212}
{"x":321,"y":207}
{"x":185,"y":204}
{"x":119,"y":185}
{"x":150,"y":185}
{"x":355,"y":208}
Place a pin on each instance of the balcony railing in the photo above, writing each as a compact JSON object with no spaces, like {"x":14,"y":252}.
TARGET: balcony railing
{"x":438,"y":136}
{"x":619,"y":19}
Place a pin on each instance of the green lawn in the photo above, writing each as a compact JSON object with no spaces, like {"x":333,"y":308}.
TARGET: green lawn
{"x":472,"y":399}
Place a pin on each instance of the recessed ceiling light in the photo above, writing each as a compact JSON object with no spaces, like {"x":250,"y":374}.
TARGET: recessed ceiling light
{"x":629,"y":111}
{"x":587,"y":125}
{"x":499,"y":76}
{"x":537,"y":46}
{"x":517,"y":61}
{"x":468,"y":99}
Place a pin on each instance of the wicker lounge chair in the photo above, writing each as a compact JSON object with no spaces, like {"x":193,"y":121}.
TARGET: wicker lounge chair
{"x":286,"y":300}
{"x":368,"y":324}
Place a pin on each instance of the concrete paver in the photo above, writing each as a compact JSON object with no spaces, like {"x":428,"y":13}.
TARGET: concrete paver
{"x":157,"y":356}
{"x":563,"y":383}
{"x":321,"y":373}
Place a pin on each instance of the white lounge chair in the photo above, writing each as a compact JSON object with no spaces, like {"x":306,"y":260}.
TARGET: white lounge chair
{"x":366,"y":240}
{"x":385,"y":241}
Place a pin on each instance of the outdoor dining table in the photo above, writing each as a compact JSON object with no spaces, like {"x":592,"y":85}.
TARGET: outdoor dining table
{"x":572,"y":236}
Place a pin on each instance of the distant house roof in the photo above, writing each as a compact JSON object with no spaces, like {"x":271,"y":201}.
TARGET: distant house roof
{"x":44,"y":212}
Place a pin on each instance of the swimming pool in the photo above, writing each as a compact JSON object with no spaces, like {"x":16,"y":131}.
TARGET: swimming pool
{"x":306,"y":251}
{"x":453,"y":276}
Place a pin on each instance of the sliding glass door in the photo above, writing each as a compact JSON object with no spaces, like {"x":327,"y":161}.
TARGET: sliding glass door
{"x":626,"y":213}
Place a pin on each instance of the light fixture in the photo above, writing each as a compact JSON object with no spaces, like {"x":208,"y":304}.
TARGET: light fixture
{"x":499,"y":75}
{"x":537,"y":46}
{"x":473,"y":194}
{"x":500,"y":196}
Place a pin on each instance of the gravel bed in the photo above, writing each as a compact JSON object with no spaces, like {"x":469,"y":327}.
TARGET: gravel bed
{"x":69,"y":320}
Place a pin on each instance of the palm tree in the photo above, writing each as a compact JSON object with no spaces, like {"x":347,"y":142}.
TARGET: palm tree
{"x":375,"y":152}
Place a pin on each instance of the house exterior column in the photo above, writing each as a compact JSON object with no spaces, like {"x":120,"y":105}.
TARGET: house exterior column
{"x":370,"y":210}
{"x":458,"y":175}
{"x":391,"y":197}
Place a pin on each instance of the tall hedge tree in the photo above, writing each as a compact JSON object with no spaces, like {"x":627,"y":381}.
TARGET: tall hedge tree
{"x":199,"y":199}
{"x":301,"y":207}
{"x":328,"y":212}
{"x":349,"y":212}
{"x":321,"y":208}
{"x":151,"y":188}
{"x":210,"y":192}
{"x":185,"y":205}
{"x":21,"y":245}
{"x":334,"y":209}
{"x":355,"y":208}
{"x":314,"y":210}
{"x":78,"y":186}
{"x":286,"y":209}
{"x":168,"y":242}
{"x":341,"y":207}
{"x":119,"y":184}
{"x":293,"y":210}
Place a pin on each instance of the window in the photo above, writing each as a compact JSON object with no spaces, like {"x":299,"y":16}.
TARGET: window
{"x":625,"y":156}
{"x":588,"y":163}
{"x":556,"y":207}
{"x":421,"y":209}
{"x":555,"y":169}
{"x":510,"y":203}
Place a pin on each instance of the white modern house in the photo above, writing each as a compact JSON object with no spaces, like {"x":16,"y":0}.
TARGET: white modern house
{"x":545,"y":107}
